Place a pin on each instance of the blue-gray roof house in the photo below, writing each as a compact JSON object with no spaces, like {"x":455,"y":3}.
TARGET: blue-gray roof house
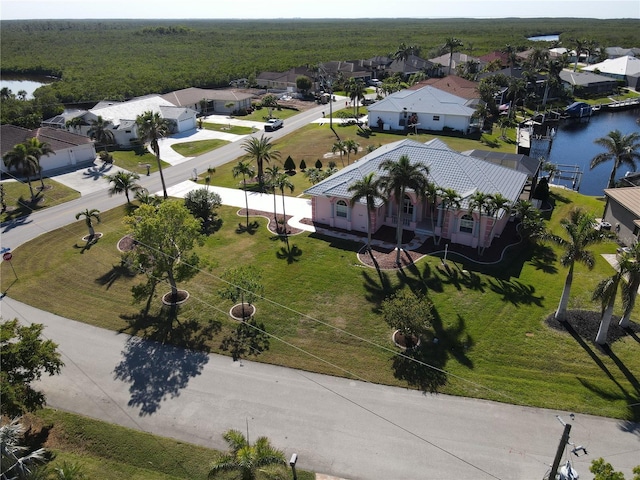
{"x":448,"y":169}
{"x":425,"y":109}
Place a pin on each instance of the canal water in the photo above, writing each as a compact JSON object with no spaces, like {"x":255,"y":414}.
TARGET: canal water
{"x":29,"y":85}
{"x":574,"y":145}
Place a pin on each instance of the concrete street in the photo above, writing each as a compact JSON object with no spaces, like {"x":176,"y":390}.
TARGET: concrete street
{"x":351,"y":429}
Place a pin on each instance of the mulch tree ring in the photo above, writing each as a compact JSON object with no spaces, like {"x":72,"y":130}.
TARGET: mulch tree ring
{"x":92,"y":238}
{"x":181,"y":297}
{"x":385,"y":258}
{"x":273,"y":226}
{"x":405,"y":342}
{"x":126,"y":243}
{"x":242,"y":311}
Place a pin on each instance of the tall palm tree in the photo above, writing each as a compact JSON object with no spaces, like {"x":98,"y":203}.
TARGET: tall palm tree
{"x":246,"y":170}
{"x":246,"y":458}
{"x":351,"y":146}
{"x":123,"y":182}
{"x":356,"y":89}
{"x":270,"y":185}
{"x":339,"y":147}
{"x":622,"y":149}
{"x":261,"y":150}
{"x":606,"y":292}
{"x":89,"y":215}
{"x":100,"y":132}
{"x":20,"y":158}
{"x":630,"y":288}
{"x":579,"y":227}
{"x":400,"y":176}
{"x":449,"y":199}
{"x":38,"y":150}
{"x":151,"y":128}
{"x":369,"y":190}
{"x":579,"y":44}
{"x":497,"y":202}
{"x":452,"y":44}
{"x":282,"y":182}
{"x":515,"y":91}
{"x":481,"y":202}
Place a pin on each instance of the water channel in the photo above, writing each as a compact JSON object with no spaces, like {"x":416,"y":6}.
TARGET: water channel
{"x":574,"y":145}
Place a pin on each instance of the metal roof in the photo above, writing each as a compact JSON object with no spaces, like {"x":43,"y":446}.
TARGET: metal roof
{"x":426,"y":100}
{"x":627,"y":197}
{"x":447,"y":169}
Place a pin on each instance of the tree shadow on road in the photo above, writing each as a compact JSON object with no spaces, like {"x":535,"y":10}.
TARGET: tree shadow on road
{"x":160,"y":365}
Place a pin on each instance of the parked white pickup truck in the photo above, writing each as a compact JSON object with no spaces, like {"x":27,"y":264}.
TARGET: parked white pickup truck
{"x":273,"y":124}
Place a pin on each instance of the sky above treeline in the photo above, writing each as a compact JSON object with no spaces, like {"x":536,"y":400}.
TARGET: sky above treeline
{"x":288,"y":9}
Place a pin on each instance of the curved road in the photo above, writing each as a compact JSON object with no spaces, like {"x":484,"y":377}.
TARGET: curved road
{"x":341,"y":427}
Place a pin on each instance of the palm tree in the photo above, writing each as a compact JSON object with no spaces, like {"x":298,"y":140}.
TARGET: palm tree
{"x":369,"y":190}
{"x":606,"y":292}
{"x":622,"y":149}
{"x":579,"y":49}
{"x":339,"y":147}
{"x":630,"y":288}
{"x":449,"y":198}
{"x":20,"y":158}
{"x":515,"y":90}
{"x":497,"y":202}
{"x":246,"y":170}
{"x":480,"y":201}
{"x":272,"y":174}
{"x":356,"y":89}
{"x":431,"y":194}
{"x":145,"y":198}
{"x":261,"y":150}
{"x":100,"y":132}
{"x":16,"y":462}
{"x":246,"y":458}
{"x":351,"y":146}
{"x":38,"y":150}
{"x":400,"y":176}
{"x":579,"y":226}
{"x":88,"y":216}
{"x":151,"y":128}
{"x":282,"y":181}
{"x":452,"y":44}
{"x":123,"y":182}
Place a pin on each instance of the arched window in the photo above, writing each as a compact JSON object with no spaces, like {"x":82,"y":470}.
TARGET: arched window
{"x":342,"y":210}
{"x":466,"y":223}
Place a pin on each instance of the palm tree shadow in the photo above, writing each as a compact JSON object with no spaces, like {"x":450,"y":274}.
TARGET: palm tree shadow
{"x":544,"y":258}
{"x":420,"y":281}
{"x":515,"y":292}
{"x":378,"y":289}
{"x":250,"y":229}
{"x":290,"y":253}
{"x":88,"y":244}
{"x":117,"y":272}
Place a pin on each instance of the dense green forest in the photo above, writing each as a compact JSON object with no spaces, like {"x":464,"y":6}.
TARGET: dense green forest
{"x":121,"y":59}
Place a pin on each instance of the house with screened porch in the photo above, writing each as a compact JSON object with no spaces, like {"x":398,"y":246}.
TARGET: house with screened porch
{"x":448,"y":169}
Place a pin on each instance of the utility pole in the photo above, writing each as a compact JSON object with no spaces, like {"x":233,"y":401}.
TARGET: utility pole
{"x":561,"y":446}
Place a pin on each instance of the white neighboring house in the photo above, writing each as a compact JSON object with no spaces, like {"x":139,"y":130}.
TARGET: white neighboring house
{"x":122,"y":116}
{"x":331,"y":199}
{"x":429,"y":108}
{"x":625,"y":68}
{"x":69,"y":149}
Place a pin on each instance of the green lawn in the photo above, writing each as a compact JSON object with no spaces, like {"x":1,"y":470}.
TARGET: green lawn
{"x":492,"y":336}
{"x":227,"y":128}
{"x":106,"y":451}
{"x":193,"y":149}
{"x":18,"y":197}
{"x":136,"y":160}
